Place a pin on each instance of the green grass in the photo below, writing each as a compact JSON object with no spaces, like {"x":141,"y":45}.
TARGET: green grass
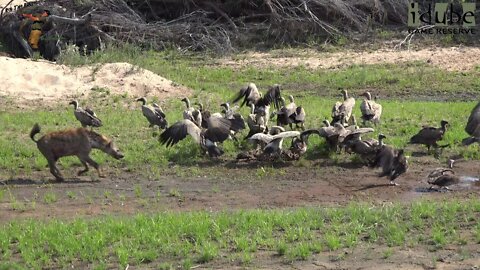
{"x":178,"y":239}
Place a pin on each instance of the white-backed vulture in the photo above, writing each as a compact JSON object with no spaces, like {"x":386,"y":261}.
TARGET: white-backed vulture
{"x":218,"y":131}
{"x":273,"y":142}
{"x":87,"y":117}
{"x":191,"y":113}
{"x":154,"y":114}
{"x":256,"y":122}
{"x":371,"y":110}
{"x":342,"y":111}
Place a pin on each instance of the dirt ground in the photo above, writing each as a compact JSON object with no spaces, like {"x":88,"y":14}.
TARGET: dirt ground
{"x":248,"y":186}
{"x":320,"y":183}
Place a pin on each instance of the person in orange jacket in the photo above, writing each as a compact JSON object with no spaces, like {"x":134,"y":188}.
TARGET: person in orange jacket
{"x":36,"y":31}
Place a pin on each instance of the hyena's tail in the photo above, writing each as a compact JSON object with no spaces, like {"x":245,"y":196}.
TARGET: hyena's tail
{"x":34,"y":131}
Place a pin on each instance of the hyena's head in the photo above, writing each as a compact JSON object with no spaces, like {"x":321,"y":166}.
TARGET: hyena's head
{"x":113,"y":151}
{"x":105,"y":144}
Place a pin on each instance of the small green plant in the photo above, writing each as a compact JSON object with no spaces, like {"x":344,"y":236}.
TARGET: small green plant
{"x":246,"y":258}
{"x":187,"y":264}
{"x":18,"y":206}
{"x":300,"y":251}
{"x":107,"y":194}
{"x":49,"y":197}
{"x":208,"y":252}
{"x":2,"y":194}
{"x":165,"y":266}
{"x":332,"y":241}
{"x":71,"y":195}
{"x":138,"y":191}
{"x":438,"y":236}
{"x":281,"y":248}
{"x":387,"y":253}
{"x":174,"y":193}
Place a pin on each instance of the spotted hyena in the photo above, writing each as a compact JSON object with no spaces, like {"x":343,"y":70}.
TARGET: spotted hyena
{"x":73,"y":142}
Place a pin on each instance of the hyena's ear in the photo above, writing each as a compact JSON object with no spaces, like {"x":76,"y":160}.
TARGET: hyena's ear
{"x":109,"y":144}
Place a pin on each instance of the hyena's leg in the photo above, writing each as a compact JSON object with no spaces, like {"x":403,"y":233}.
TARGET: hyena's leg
{"x":84,"y":164}
{"x":95,"y":165}
{"x":55,"y":171}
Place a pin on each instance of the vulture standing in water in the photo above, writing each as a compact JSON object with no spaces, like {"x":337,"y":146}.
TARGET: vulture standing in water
{"x":87,"y":117}
{"x":154,"y":114}
{"x":473,"y":126}
{"x":443,"y":177}
{"x":429,"y":136}
{"x":218,"y":131}
{"x":342,"y":111}
{"x":393,"y":162}
{"x":371,"y":110}
{"x":191,"y":113}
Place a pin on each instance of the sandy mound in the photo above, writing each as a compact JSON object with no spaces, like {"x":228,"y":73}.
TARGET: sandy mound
{"x":452,"y":59}
{"x":41,"y":80}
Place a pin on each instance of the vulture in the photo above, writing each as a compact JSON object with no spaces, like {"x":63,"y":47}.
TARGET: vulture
{"x":342,"y":111}
{"x":191,"y":113}
{"x":429,"y":136}
{"x":297,"y":116}
{"x":228,"y":111}
{"x":393,"y":162}
{"x":218,"y":131}
{"x":205,"y":114}
{"x":87,"y":117}
{"x":154,"y":114}
{"x":290,"y":114}
{"x":256,"y":122}
{"x":282,"y":114}
{"x":273,"y":142}
{"x":443,"y":177}
{"x":353,"y":125}
{"x":473,"y":126}
{"x":341,"y":135}
{"x":251,"y":95}
{"x":366,"y":149}
{"x":371,"y":110}
{"x":300,"y":143}
{"x":236,"y":118}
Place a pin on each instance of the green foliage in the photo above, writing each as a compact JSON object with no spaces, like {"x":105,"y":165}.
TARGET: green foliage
{"x":174,"y":238}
